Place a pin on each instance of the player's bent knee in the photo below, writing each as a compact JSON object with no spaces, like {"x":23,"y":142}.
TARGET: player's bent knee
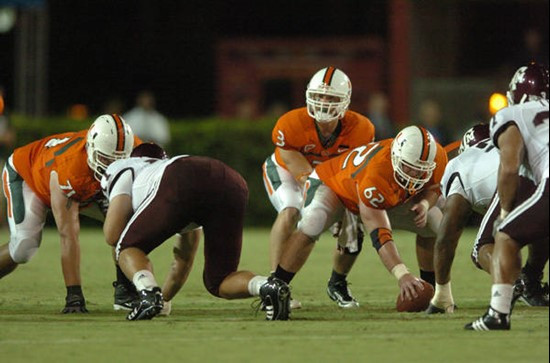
{"x":24,"y":251}
{"x":212,"y":285}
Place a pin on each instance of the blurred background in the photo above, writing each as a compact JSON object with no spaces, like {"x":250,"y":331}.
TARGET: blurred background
{"x":216,"y":75}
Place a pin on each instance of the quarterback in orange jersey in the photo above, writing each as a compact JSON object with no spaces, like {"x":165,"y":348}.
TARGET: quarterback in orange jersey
{"x":369,"y":180}
{"x":303,"y":138}
{"x":60,"y":172}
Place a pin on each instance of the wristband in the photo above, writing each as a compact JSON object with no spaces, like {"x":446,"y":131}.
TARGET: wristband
{"x":503,"y":213}
{"x":380,"y":236}
{"x":399,"y":271}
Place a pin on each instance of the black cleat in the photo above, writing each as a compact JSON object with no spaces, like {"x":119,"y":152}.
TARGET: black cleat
{"x":530,"y":292}
{"x":275,"y":295}
{"x":126,"y":296}
{"x":432,"y":309}
{"x":340,"y":292}
{"x":491,"y":320}
{"x":150,"y":305}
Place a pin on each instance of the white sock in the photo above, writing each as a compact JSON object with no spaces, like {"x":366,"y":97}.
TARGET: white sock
{"x":501,"y":297}
{"x":144,"y":280}
{"x":443,"y":296}
{"x":255,"y":283}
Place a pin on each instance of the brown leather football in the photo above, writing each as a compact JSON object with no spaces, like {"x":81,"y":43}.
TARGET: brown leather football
{"x":418,"y":304}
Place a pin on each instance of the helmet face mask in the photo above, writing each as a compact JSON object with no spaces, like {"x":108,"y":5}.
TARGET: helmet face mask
{"x":328,"y":95}
{"x":412,"y":155}
{"x":109,"y":139}
{"x":529,"y":83}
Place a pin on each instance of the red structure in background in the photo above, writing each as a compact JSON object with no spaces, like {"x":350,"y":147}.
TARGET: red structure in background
{"x":257,"y":73}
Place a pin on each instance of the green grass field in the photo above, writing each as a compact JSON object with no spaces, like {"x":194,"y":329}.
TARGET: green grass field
{"x":203,"y":328}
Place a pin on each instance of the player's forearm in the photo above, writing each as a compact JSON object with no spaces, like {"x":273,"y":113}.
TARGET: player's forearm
{"x":296,"y":163}
{"x":389,"y":255}
{"x":444,"y":254}
{"x":508,"y":181}
{"x":70,"y":261}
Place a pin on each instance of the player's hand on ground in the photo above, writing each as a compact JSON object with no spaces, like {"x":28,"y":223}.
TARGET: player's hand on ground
{"x":74,"y":304}
{"x":408,"y":285}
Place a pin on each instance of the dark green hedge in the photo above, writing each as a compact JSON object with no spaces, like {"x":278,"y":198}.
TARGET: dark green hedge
{"x":243,"y":145}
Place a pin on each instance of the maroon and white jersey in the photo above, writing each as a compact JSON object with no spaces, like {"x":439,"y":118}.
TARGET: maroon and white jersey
{"x":531,"y":118}
{"x":473,"y":175}
{"x":137,"y":177}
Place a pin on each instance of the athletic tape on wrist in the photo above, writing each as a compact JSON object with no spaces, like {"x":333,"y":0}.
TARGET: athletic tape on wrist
{"x":399,"y":271}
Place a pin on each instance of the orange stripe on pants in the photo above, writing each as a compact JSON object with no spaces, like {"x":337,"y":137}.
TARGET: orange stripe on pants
{"x":7,"y":191}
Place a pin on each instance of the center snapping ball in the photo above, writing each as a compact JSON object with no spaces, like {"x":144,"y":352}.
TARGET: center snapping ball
{"x":417,"y":304}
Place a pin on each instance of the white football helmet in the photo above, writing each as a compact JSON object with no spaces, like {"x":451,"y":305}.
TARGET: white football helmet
{"x":109,"y":138}
{"x":412,"y":156}
{"x":328,"y":95}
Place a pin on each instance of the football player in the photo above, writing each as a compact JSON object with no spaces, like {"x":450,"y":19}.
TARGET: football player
{"x":468,"y":186}
{"x":520,"y":132}
{"x":303,"y":138}
{"x":151,"y":199}
{"x":369,"y":180}
{"x":60,"y":173}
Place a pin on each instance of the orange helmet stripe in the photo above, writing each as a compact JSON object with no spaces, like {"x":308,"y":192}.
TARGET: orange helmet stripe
{"x":425,"y":144}
{"x":328,"y":75}
{"x":120,"y":132}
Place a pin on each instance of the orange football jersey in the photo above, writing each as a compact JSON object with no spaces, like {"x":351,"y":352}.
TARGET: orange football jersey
{"x":296,"y":130}
{"x":453,"y":147}
{"x":66,"y":154}
{"x":367,"y":173}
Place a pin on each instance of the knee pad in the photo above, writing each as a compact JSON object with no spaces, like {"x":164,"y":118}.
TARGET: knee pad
{"x":24,"y":250}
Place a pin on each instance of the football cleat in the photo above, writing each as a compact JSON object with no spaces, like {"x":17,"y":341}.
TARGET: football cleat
{"x":432,"y":309}
{"x":150,"y":305}
{"x":340,"y":292}
{"x":491,"y":320}
{"x":126,"y":296}
{"x":275,"y":298}
{"x":532,"y":293}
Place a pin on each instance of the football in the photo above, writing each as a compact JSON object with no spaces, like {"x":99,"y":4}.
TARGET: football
{"x":418,"y":304}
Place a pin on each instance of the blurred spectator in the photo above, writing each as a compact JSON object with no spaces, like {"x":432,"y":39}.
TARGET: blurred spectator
{"x":377,"y":112}
{"x":245,"y":109}
{"x":7,"y":143}
{"x":431,"y":118}
{"x":534,"y":48}
{"x":146,"y":122}
{"x":113,"y":105}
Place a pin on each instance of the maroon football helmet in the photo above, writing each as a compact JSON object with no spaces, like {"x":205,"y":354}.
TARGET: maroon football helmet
{"x":150,"y":150}
{"x":529,"y":83}
{"x":473,"y":136}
